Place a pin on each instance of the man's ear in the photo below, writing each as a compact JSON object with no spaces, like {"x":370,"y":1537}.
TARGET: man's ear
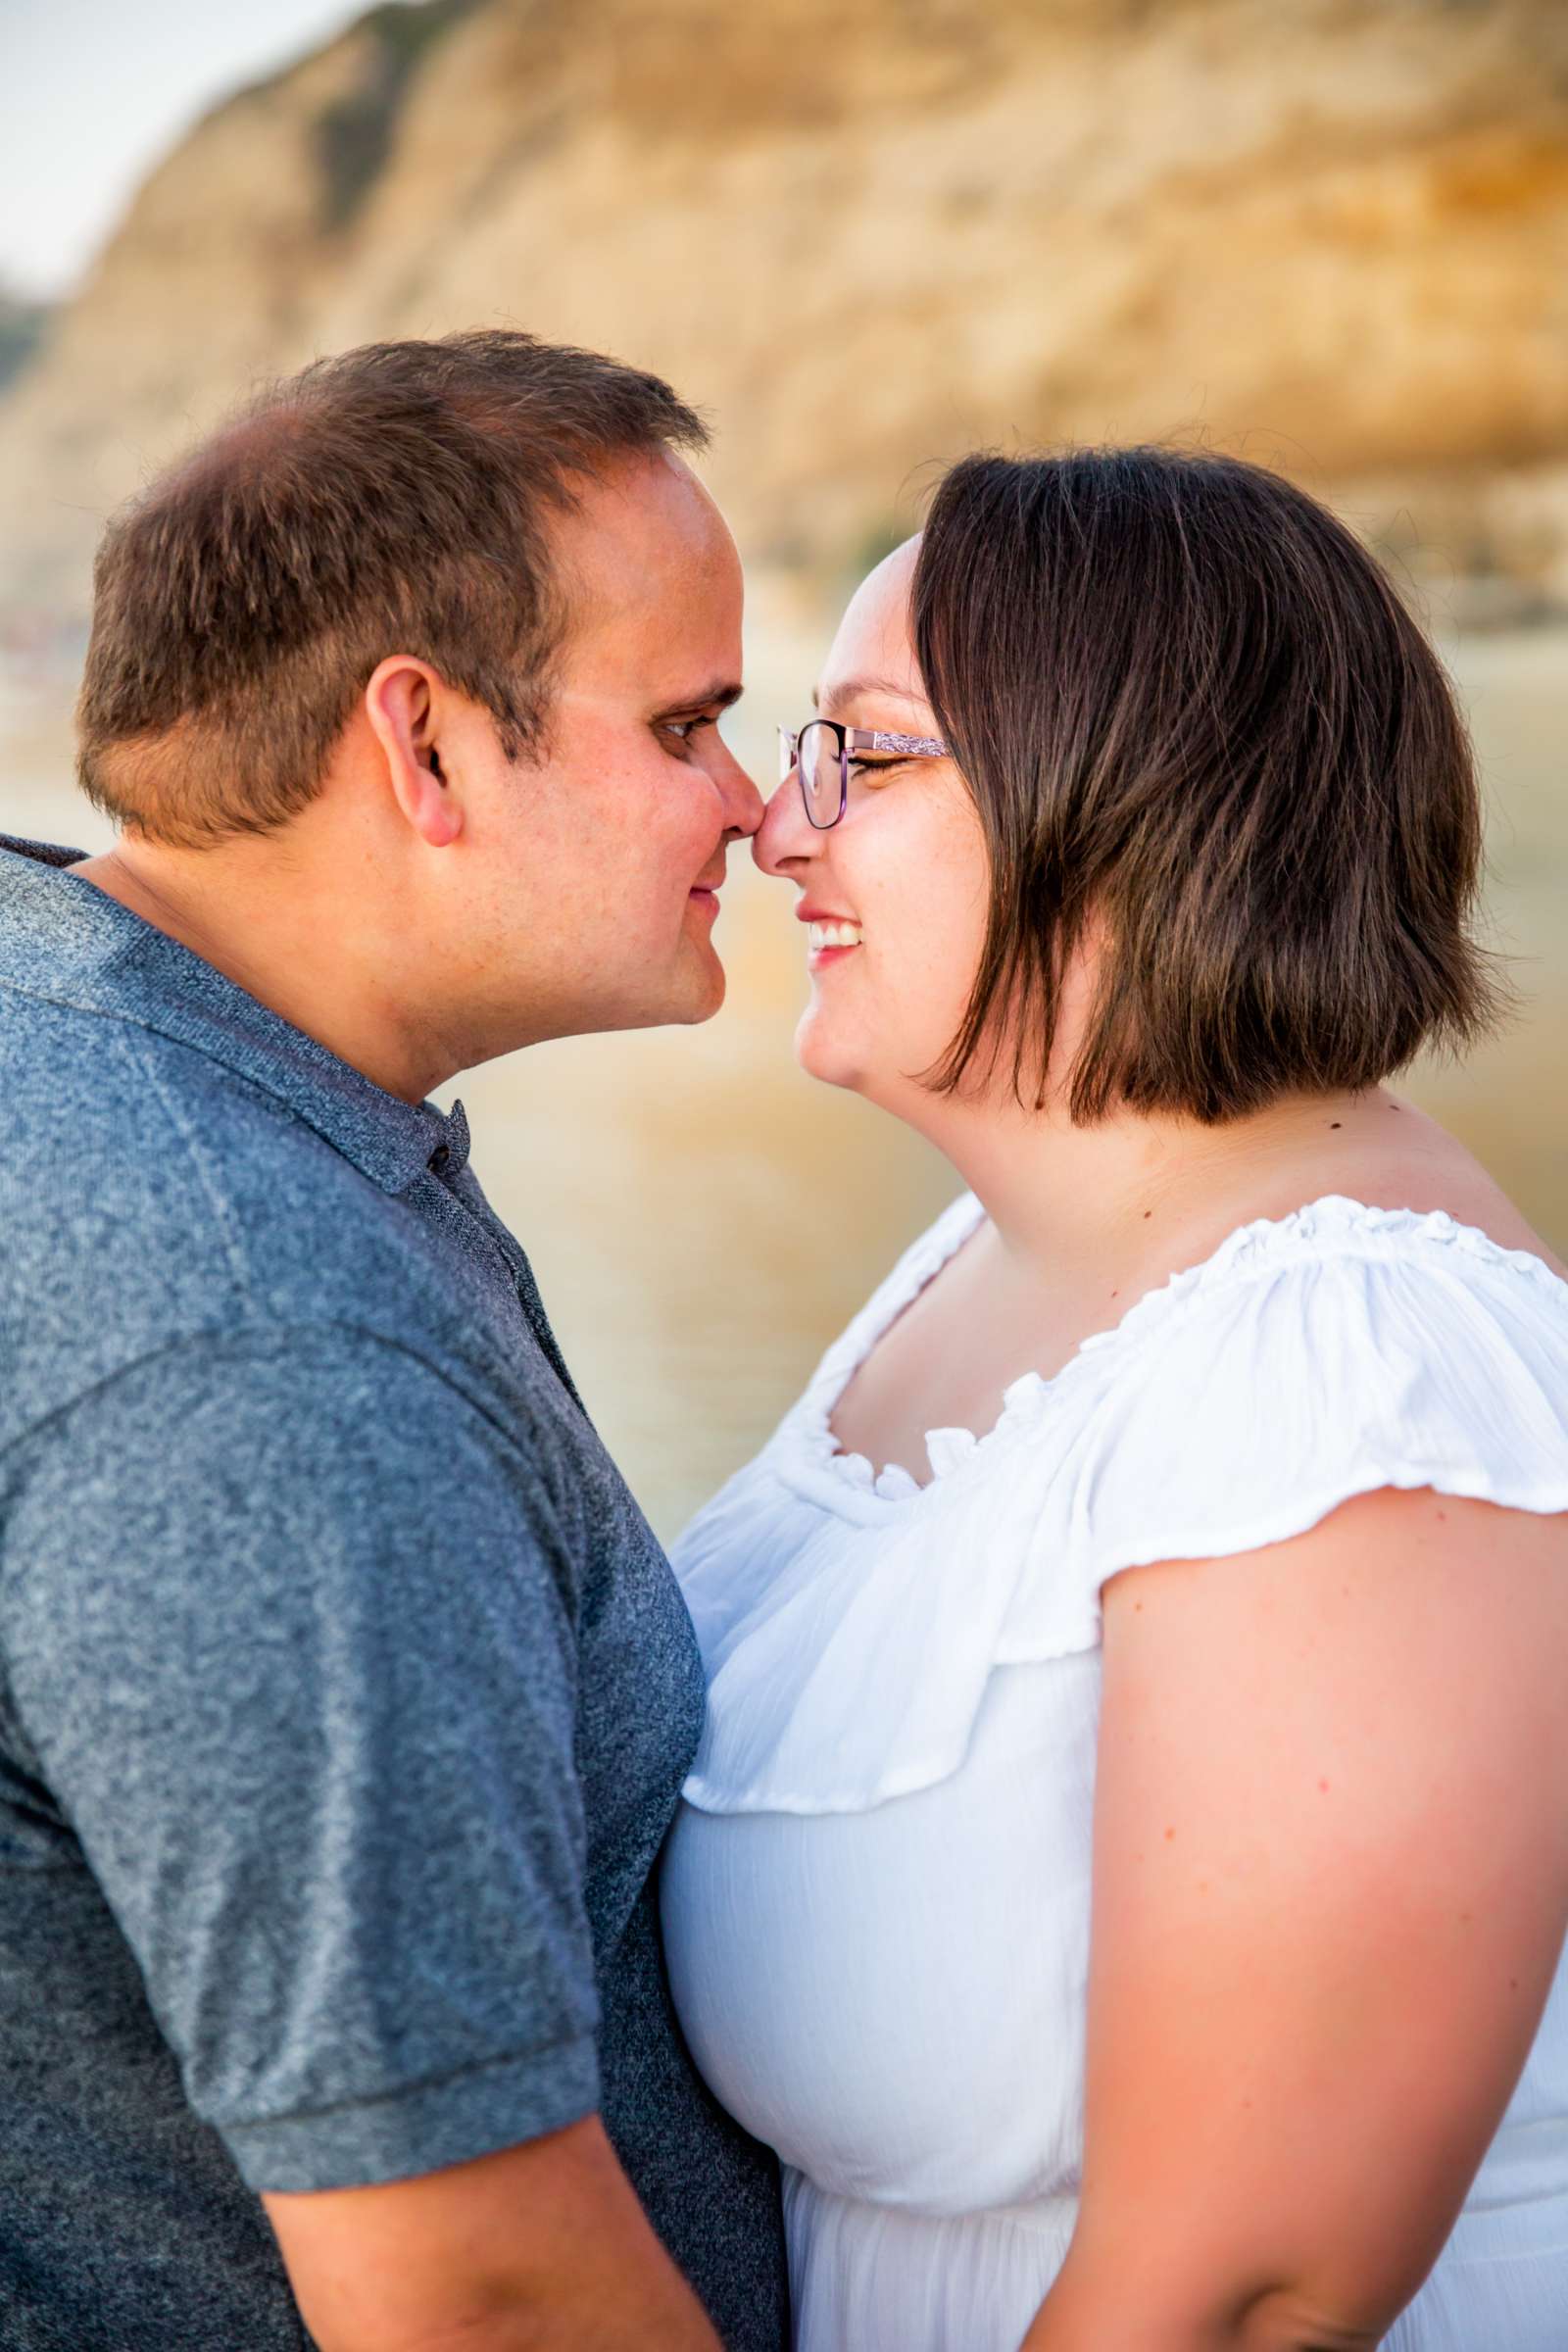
{"x":401,"y":703}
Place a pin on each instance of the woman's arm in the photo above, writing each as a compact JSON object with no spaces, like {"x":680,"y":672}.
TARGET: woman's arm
{"x":1330,"y":1890}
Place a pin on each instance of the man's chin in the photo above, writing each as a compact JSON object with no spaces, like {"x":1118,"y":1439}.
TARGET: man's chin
{"x":694,"y":994}
{"x":702,"y":979}
{"x":711,"y":993}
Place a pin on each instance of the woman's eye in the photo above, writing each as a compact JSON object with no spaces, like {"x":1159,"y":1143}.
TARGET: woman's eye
{"x":866,"y":768}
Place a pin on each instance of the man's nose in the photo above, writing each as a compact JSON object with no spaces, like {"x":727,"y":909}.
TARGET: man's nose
{"x":741,"y":800}
{"x":786,"y":834}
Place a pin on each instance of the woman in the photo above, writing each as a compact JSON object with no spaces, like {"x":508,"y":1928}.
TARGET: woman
{"x":1187,"y":1502}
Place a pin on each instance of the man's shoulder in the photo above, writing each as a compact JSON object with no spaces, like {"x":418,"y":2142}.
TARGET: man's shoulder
{"x":150,"y":1193}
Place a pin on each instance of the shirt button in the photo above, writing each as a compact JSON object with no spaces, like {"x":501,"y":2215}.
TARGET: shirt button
{"x":439,"y":1157}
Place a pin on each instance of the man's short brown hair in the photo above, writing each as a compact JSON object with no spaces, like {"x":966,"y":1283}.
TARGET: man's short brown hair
{"x":394,"y":499}
{"x":1200,"y":726}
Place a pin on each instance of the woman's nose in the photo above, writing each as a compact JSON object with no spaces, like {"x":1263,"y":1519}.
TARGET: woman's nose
{"x":786,"y":834}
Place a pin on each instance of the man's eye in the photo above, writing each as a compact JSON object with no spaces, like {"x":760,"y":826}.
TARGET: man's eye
{"x":683,"y":729}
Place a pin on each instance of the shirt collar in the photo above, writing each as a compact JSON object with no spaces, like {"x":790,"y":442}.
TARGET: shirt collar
{"x":66,"y":942}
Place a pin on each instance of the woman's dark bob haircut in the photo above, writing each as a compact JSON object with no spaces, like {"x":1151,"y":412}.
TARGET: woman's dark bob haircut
{"x":1203,"y":735}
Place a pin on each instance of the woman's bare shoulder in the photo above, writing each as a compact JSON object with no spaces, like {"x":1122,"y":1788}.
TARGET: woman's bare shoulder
{"x":1409,"y":1161}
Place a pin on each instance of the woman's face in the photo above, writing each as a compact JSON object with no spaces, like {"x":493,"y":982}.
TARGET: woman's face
{"x":905,"y":868}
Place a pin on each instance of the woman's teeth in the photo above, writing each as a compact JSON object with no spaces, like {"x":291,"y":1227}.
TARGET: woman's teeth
{"x":832,"y":935}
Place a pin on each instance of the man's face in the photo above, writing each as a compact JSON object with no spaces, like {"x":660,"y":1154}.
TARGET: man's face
{"x":597,"y":859}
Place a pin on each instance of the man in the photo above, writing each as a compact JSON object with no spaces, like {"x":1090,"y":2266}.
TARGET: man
{"x":344,"y":1692}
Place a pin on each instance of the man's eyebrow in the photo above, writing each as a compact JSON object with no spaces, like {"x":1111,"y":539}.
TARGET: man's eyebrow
{"x":724,"y":692}
{"x":849,"y":690}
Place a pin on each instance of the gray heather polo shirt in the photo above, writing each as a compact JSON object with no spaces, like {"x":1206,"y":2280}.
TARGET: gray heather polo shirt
{"x":344,"y":1692}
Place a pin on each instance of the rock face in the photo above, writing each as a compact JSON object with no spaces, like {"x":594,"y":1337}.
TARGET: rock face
{"x":1330,"y":233}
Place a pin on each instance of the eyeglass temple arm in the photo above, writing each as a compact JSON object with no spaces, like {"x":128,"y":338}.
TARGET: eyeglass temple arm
{"x":869,"y":739}
{"x":879,"y":740}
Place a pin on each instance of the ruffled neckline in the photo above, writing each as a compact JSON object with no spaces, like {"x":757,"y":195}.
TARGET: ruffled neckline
{"x":806,"y":1433}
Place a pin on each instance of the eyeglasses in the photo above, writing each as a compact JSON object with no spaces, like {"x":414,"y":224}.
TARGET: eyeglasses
{"x":821,"y":752}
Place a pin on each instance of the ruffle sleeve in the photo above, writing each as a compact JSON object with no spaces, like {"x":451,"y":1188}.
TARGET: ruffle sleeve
{"x":1310,"y":1361}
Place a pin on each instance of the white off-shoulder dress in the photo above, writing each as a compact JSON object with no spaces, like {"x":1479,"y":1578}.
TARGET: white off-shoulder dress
{"x":876,"y":1892}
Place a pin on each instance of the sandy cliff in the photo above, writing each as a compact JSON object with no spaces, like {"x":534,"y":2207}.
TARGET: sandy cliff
{"x":863,"y":238}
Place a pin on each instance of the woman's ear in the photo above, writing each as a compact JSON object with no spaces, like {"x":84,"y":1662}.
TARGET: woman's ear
{"x":400,"y":701}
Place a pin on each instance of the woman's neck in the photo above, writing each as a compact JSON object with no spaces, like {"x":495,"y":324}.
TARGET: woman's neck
{"x":1094,"y":1201}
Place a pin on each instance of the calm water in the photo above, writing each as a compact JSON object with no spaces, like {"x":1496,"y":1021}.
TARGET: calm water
{"x":703,"y":1220}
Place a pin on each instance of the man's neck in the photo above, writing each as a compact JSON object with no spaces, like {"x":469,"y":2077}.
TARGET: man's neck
{"x":253,"y":910}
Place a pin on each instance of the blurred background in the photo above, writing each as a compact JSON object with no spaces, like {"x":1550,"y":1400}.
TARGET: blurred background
{"x":864,"y":236}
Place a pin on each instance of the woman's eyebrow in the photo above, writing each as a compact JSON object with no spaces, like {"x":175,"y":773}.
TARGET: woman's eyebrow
{"x":848,"y":690}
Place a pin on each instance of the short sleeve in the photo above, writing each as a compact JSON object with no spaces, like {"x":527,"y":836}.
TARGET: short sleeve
{"x":290,"y":1631}
{"x":1293,"y":1378}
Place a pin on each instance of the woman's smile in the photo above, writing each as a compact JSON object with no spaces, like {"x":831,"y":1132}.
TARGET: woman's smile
{"x":829,"y":938}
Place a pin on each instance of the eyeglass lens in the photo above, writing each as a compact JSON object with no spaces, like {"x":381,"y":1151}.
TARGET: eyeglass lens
{"x":821,"y":763}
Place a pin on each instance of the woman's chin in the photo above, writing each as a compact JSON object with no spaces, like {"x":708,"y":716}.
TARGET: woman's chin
{"x":824,"y":1055}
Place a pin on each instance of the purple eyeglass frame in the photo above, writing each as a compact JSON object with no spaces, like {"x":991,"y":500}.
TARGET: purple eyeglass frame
{"x":850,"y":739}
